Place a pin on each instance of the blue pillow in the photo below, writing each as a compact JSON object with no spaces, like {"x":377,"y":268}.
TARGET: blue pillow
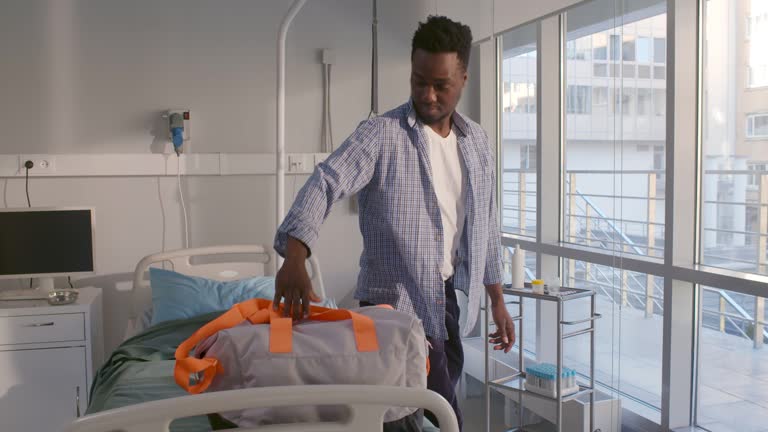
{"x":178,"y":296}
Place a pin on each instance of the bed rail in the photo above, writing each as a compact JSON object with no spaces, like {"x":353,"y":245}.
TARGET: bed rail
{"x":367,"y":405}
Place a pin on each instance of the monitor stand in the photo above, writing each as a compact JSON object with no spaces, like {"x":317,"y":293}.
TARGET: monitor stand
{"x":40,"y":292}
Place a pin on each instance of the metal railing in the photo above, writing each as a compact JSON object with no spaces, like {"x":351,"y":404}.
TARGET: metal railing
{"x":519,"y":200}
{"x":587,"y":224}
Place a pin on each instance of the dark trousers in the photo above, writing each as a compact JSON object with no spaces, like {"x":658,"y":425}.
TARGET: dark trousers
{"x":446,"y":357}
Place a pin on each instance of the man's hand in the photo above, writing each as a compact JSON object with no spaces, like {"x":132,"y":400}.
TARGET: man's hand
{"x":504,"y":336}
{"x":292,"y":282}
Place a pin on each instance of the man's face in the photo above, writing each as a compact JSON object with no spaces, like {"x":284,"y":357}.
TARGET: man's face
{"x":437,"y":80}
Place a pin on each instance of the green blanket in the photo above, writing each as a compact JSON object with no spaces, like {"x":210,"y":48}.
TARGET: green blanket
{"x":141,"y":370}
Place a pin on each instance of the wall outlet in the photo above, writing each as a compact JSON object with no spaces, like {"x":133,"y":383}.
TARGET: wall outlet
{"x":296,"y":163}
{"x":187,"y":116}
{"x":43,"y":164}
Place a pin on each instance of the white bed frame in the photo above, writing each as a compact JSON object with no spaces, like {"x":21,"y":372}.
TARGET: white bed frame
{"x":367,"y":407}
{"x":181,"y":261}
{"x":367,"y":403}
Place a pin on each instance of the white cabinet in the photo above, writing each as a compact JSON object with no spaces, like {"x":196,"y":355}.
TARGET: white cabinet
{"x":48,"y":355}
{"x":42,"y":389}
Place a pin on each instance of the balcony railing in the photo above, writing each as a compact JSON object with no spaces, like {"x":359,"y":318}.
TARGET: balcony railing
{"x":633,"y":223}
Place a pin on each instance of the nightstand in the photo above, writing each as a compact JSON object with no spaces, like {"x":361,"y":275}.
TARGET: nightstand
{"x":48,"y":355}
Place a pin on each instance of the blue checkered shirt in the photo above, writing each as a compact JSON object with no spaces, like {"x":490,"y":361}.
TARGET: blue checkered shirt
{"x":386,"y":161}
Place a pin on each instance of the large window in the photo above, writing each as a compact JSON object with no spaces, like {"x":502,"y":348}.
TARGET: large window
{"x":614,"y":184}
{"x":681,"y":283}
{"x":518,"y":134}
{"x":735,"y":194}
{"x":628,"y":336}
{"x":734,"y":215}
{"x":614,"y":191}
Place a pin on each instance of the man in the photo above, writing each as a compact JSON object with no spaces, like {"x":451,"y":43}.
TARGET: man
{"x":428,"y":215}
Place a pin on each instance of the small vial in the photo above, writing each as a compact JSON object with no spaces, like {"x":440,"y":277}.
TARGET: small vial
{"x":538,"y":286}
{"x":553,"y":285}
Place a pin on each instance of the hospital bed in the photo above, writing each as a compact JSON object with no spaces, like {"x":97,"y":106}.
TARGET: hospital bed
{"x":135,"y":390}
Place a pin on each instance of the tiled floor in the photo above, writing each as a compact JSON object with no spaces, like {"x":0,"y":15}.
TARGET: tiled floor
{"x":733,"y":390}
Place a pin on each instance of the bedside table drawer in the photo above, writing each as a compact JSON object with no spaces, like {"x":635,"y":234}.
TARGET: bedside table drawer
{"x":42,"y":328}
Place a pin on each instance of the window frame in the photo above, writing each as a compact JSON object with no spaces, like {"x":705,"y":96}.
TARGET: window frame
{"x":680,"y":266}
{"x":528,"y":108}
{"x":749,"y":133}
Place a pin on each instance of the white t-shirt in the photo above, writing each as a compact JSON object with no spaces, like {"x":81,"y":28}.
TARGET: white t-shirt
{"x":448,"y":175}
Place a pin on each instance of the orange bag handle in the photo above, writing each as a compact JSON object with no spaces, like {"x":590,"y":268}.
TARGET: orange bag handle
{"x":260,"y":311}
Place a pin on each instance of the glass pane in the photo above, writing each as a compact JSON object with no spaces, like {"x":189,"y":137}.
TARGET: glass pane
{"x":600,"y":96}
{"x":644,"y":50}
{"x":519,"y":131}
{"x":644,"y":101}
{"x":760,"y":126}
{"x":628,"y":48}
{"x":584,"y":48}
{"x":614,"y":185}
{"x":627,"y":101}
{"x":660,"y":50}
{"x":628,"y":337}
{"x":643,"y":71}
{"x":733,"y":365}
{"x":600,"y":43}
{"x":734,"y":203}
{"x":756,"y":53}
{"x":660,"y":103}
{"x":614,"y":70}
{"x":758,"y":76}
{"x":578,"y":99}
{"x":615,"y":46}
{"x":628,"y":71}
{"x":601,"y":69}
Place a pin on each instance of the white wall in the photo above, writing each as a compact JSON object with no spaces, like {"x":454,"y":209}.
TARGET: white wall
{"x":87,"y":76}
{"x":500,"y":15}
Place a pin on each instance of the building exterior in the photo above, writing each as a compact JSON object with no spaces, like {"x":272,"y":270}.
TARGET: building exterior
{"x":615,"y":101}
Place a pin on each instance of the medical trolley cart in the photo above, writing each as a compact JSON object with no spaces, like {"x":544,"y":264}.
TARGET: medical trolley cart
{"x":514,"y":384}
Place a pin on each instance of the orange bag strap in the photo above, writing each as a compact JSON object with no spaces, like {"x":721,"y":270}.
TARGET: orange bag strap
{"x":260,"y":311}
{"x":257,"y":311}
{"x":363,"y":326}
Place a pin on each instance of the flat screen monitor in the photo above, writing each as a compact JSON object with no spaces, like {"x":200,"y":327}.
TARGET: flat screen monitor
{"x":46,"y":242}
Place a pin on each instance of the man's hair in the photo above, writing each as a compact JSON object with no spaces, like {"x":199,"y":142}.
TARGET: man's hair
{"x":442,"y":35}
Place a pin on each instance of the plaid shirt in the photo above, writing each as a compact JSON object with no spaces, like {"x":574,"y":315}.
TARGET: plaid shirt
{"x":386,"y":161}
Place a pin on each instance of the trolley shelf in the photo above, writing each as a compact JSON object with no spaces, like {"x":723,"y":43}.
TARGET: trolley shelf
{"x":565,"y":293}
{"x":517,"y":384}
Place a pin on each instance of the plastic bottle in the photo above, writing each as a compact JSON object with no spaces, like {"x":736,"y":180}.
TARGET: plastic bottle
{"x":518,"y":268}
{"x":538,"y":286}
